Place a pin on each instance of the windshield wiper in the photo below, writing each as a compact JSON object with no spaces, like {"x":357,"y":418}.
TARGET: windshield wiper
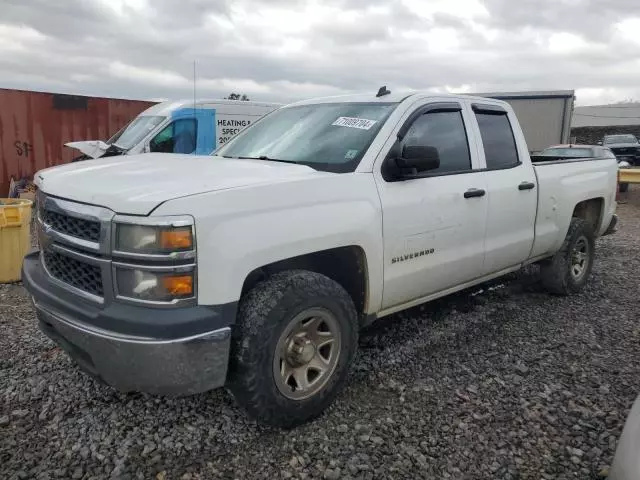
{"x":264,"y":157}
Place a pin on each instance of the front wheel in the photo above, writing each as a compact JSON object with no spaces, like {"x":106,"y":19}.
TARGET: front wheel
{"x":296,"y":335}
{"x":569,"y":269}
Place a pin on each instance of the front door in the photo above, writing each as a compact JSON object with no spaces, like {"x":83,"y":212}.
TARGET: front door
{"x":434,"y":226}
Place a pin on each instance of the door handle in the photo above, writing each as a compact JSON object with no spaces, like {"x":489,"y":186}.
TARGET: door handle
{"x":526,"y":186}
{"x":474,"y":192}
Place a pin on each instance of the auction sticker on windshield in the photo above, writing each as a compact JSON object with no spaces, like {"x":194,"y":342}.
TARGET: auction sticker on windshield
{"x":352,"y":122}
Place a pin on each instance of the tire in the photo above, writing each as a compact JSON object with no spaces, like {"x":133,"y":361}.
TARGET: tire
{"x":267,"y":365}
{"x":624,"y":187}
{"x":559,"y":273}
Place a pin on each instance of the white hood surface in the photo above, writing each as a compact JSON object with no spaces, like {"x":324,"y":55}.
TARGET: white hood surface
{"x":91,"y":148}
{"x":137,"y":184}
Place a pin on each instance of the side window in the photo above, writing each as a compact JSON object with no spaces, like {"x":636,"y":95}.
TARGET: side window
{"x":178,"y":137}
{"x":499,"y":143}
{"x":445,"y":131}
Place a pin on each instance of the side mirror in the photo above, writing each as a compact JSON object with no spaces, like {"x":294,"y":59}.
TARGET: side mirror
{"x":146,"y":149}
{"x":419,"y":158}
{"x":408,"y":163}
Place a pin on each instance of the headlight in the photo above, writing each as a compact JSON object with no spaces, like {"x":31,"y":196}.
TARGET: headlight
{"x":154,"y":286}
{"x":149,"y":239}
{"x":154,"y":259}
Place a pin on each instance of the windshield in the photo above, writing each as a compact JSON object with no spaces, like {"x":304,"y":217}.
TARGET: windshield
{"x":136,"y":131}
{"x":567,"y":152}
{"x":116,"y":136}
{"x":329,"y":137}
{"x":620,"y":139}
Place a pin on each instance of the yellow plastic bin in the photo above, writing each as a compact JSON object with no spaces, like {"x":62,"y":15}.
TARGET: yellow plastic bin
{"x":15,"y":237}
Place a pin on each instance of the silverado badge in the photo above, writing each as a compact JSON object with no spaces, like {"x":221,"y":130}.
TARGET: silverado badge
{"x":412,"y":255}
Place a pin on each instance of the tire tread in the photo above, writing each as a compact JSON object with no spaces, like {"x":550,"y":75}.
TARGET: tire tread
{"x":555,"y":274}
{"x":258,"y":327}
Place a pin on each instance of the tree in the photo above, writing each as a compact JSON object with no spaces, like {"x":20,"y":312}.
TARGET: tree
{"x":237,"y":96}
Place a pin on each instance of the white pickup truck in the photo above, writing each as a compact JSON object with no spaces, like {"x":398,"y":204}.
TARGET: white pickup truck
{"x":255,"y":268}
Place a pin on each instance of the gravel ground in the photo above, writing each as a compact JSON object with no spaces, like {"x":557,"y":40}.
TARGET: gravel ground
{"x":507,"y":383}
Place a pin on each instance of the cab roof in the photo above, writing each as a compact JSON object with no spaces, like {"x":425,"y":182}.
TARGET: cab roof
{"x":393,"y":97}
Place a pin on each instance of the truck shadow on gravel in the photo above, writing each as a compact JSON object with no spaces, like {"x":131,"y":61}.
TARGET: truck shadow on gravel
{"x":474,"y":299}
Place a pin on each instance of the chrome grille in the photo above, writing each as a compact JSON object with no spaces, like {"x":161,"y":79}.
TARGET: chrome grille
{"x":76,"y":227}
{"x":74,"y":272}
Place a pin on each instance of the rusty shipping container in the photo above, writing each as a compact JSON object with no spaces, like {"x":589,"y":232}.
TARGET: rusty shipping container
{"x":34,"y":127}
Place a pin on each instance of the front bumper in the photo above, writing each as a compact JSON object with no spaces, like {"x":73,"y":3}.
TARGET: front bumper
{"x":183,"y":356}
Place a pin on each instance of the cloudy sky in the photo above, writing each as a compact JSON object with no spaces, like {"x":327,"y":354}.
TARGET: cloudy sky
{"x":283,"y":50}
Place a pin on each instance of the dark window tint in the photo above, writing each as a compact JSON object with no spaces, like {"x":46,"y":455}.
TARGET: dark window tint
{"x":178,"y":137}
{"x":497,"y":137}
{"x":444,"y":131}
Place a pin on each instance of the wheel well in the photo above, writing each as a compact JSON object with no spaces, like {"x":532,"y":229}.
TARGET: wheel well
{"x":590,"y":211}
{"x":344,"y":265}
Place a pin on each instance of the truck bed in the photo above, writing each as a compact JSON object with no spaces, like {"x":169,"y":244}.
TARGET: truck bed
{"x":562,"y":184}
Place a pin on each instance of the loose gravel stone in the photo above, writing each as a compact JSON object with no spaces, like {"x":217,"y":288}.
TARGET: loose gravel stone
{"x":501,"y":381}
{"x":332,"y":474}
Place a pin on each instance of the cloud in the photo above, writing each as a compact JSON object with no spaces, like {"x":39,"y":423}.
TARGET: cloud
{"x":593,"y":18}
{"x":283,"y":50}
{"x":146,"y":76}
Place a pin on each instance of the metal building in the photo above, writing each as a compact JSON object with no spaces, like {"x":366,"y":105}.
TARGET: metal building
{"x":34,"y":126}
{"x":545,"y":116}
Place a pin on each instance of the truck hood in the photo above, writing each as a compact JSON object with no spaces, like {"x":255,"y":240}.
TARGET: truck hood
{"x":137,"y":184}
{"x":91,"y":148}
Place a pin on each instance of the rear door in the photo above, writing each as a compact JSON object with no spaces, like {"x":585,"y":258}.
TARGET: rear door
{"x":511,"y":188}
{"x":433,"y":225}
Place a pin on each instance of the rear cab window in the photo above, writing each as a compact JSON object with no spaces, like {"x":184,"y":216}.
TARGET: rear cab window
{"x":497,"y":136}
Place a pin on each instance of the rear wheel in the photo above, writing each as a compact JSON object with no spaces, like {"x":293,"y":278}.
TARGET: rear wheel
{"x":569,"y":269}
{"x":296,"y":336}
